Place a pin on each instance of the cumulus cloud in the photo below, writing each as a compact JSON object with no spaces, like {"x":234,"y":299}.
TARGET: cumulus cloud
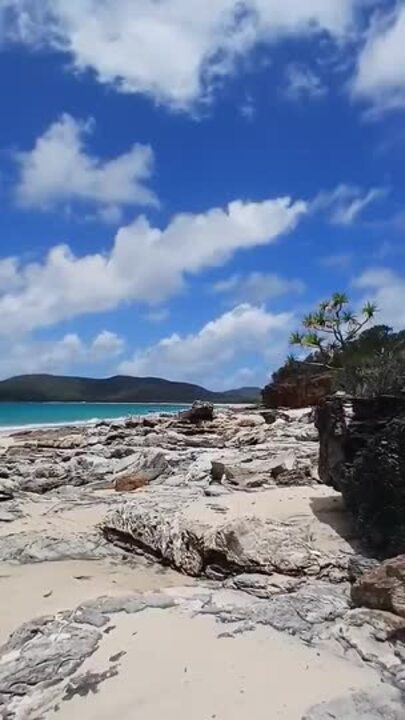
{"x":61,"y":356}
{"x":257,"y":287}
{"x":9,"y":276}
{"x":380,"y":76}
{"x":107,"y":344}
{"x":246,"y":332}
{"x":387,"y":289}
{"x":59,"y":170}
{"x":145,"y":264}
{"x":173,"y":50}
{"x":346,"y":203}
{"x":301,"y":82}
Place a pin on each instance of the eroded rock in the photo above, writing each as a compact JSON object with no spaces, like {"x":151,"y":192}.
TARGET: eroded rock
{"x":382,"y":588}
{"x":362,"y":455}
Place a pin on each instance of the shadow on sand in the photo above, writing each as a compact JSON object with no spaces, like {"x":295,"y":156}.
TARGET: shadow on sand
{"x":331,"y":511}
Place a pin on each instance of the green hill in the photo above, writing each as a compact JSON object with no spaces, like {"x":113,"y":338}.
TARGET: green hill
{"x":52,"y":388}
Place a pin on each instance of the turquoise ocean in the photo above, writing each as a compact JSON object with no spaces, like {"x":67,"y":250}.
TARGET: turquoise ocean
{"x":16,"y":415}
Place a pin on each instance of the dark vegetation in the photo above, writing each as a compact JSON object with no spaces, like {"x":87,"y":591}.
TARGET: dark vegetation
{"x":51,"y":388}
{"x":360,"y":360}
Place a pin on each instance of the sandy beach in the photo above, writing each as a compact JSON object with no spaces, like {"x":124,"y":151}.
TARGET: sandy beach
{"x":177,"y":665}
{"x":219,"y":589}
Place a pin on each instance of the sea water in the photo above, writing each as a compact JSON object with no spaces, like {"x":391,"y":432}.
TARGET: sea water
{"x":21,"y":414}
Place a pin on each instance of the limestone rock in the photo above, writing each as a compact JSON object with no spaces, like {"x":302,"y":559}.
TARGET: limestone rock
{"x":251,"y":421}
{"x":376,"y":705}
{"x":375,"y":637}
{"x":43,"y":652}
{"x":33,"y":547}
{"x":233,"y":534}
{"x":200,"y":412}
{"x":359,"y":564}
{"x":147,"y":466}
{"x":131,"y":482}
{"x":263,"y":586}
{"x":383,"y":588}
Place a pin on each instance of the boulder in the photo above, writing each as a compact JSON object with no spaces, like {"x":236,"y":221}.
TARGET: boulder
{"x":130,"y":482}
{"x":281,"y":469}
{"x":199,"y":412}
{"x":147,"y":467}
{"x":383,"y":588}
{"x":251,"y":421}
{"x":269,"y":416}
{"x":362,"y":455}
{"x":237,"y":475}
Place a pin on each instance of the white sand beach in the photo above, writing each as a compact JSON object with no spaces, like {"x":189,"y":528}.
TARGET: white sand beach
{"x":217,"y":591}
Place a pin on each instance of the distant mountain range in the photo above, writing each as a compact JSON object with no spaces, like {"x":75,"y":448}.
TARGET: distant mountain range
{"x":52,"y":388}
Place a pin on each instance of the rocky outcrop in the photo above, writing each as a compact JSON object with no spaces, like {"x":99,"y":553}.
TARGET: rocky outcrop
{"x":235,"y":500}
{"x":383,"y":588}
{"x":298,"y":392}
{"x":362,"y":455}
{"x":276,"y":532}
{"x":200,"y":412}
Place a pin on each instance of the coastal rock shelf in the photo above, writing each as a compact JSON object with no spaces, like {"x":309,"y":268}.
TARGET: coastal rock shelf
{"x":195,"y":566}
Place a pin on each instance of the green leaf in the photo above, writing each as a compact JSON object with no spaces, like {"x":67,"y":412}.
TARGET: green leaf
{"x":349,"y":317}
{"x":308,"y":321}
{"x":339,"y":299}
{"x":319,"y":319}
{"x":296,"y":338}
{"x":312,"y":340}
{"x":369,"y":310}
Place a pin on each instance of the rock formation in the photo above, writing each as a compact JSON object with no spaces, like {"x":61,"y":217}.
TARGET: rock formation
{"x":382,"y":588}
{"x":362,"y":455}
{"x":298,"y":391}
{"x":264,"y":549}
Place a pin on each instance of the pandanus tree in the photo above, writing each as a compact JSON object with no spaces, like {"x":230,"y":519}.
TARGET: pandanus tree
{"x":329,"y":331}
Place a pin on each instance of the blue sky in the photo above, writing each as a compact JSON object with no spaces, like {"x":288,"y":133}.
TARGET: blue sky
{"x":180,"y":182}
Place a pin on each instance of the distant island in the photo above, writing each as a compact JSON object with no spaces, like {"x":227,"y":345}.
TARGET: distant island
{"x":119,"y":389}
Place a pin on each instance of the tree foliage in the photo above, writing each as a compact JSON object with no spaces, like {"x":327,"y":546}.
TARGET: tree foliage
{"x":374,"y":364}
{"x":331,"y":328}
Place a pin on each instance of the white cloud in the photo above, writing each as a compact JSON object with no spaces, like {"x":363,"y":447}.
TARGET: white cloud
{"x":59,"y":170}
{"x":145,"y":264}
{"x":302,"y":82}
{"x":387,"y":289}
{"x":380,"y":76}
{"x":173,"y":50}
{"x":346,"y":203}
{"x":257,"y":287}
{"x":61,"y":356}
{"x":209,"y":355}
{"x":107,"y":344}
{"x":9,"y":276}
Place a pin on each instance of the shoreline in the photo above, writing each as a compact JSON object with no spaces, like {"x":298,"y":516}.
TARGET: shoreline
{"x":6,"y":430}
{"x":16,"y":429}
